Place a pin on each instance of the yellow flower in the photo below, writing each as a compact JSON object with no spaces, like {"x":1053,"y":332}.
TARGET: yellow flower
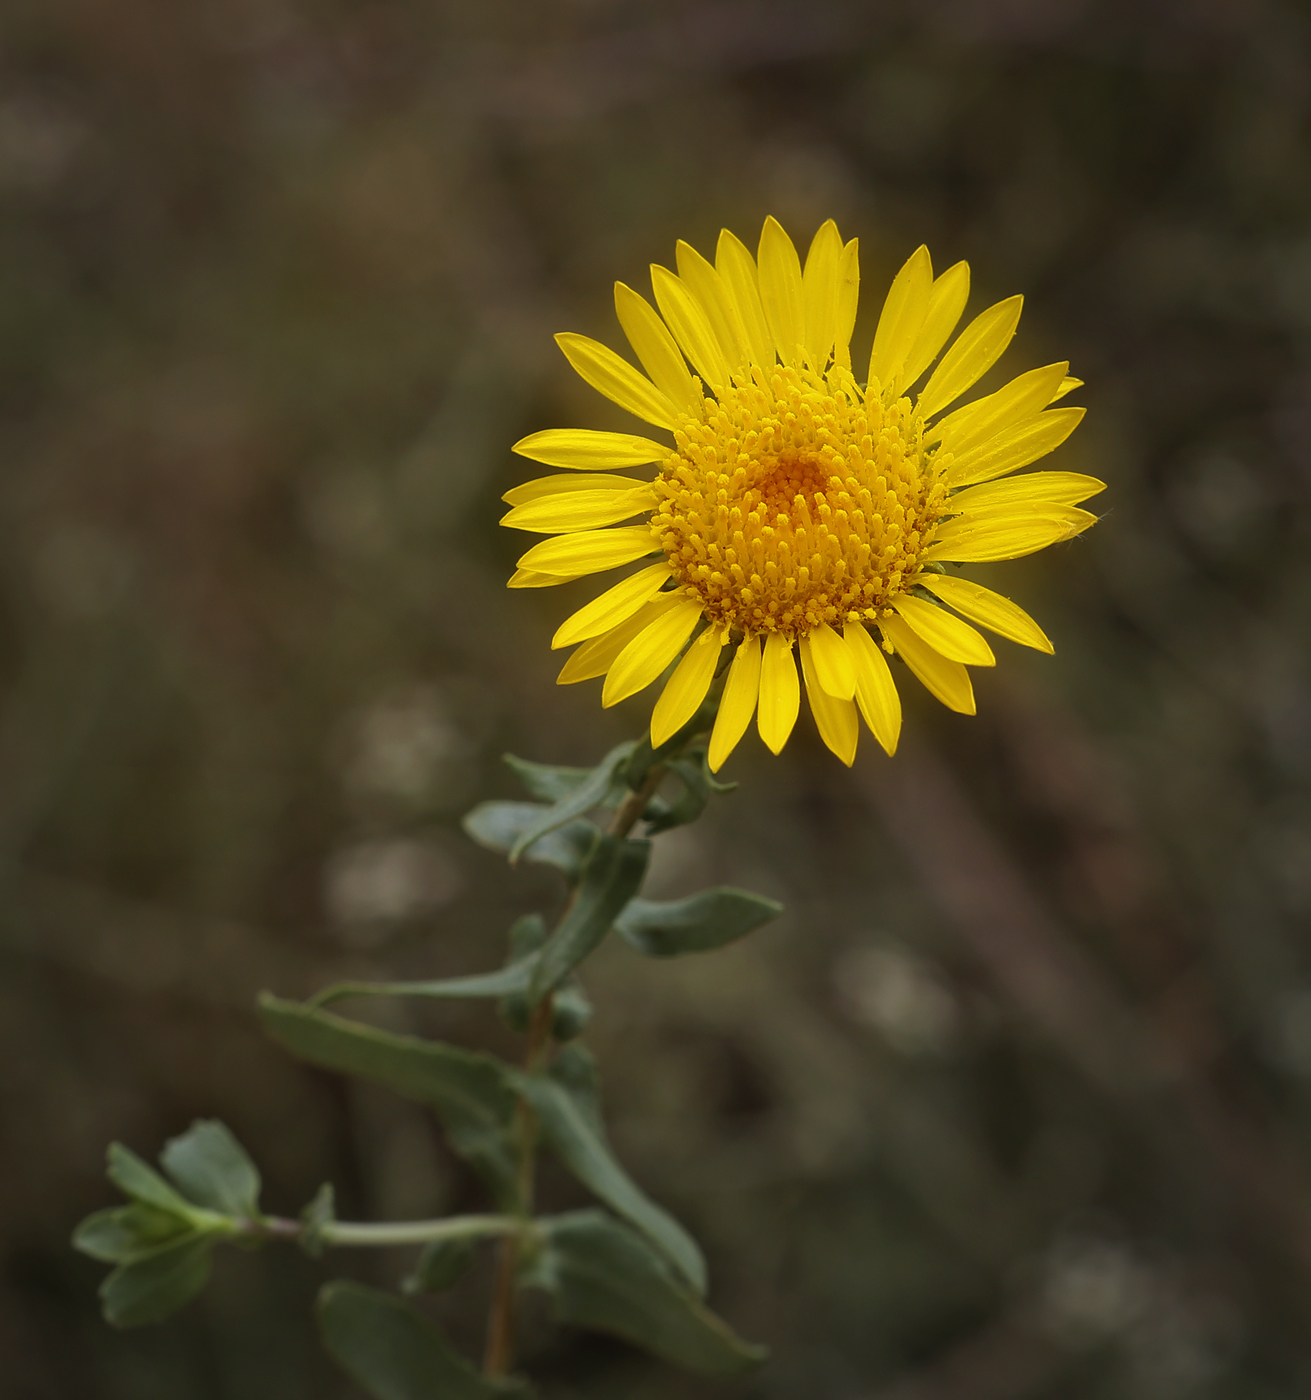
{"x":799,"y":508}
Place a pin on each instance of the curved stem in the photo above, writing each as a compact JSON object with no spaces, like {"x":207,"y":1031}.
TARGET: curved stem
{"x":500,"y":1325}
{"x":352,"y":1233}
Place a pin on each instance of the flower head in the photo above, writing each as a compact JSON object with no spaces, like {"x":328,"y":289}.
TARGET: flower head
{"x":799,"y":511}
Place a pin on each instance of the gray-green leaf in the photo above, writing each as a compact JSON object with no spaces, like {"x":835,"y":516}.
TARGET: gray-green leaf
{"x":596,"y":790}
{"x":212,"y":1168}
{"x":664,"y":929}
{"x":441,"y":1263}
{"x":151,"y":1286}
{"x":570,"y":1126}
{"x":395,"y":1353}
{"x":545,"y":781}
{"x":500,"y":825}
{"x":123,"y":1232}
{"x":612,"y":876}
{"x":141,"y":1182}
{"x":505,"y":981}
{"x":470,"y":1092}
{"x":601,"y":1275}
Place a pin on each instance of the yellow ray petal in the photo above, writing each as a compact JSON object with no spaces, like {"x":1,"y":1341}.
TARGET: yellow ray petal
{"x":833,"y":665}
{"x":1015,"y":448}
{"x":947,"y":300}
{"x":612,"y":607}
{"x":1024,"y":396}
{"x":780,"y":693}
{"x":948,"y":680}
{"x":819,"y":290}
{"x":542,"y":486}
{"x":590,"y":551}
{"x":686,"y":688}
{"x":902,"y":318}
{"x":876,"y":692}
{"x":976,"y":350}
{"x":656,"y":348}
{"x":1055,"y":488}
{"x":980,"y":538}
{"x":570,"y":511}
{"x":836,"y":719}
{"x":956,"y":640}
{"x":707,"y":286}
{"x":737,"y":704}
{"x":581,"y":449}
{"x":691,"y":327}
{"x":848,"y":298}
{"x":595,"y":657}
{"x":1066,"y":385}
{"x":988,"y":609}
{"x":528,"y":578}
{"x":614,"y":377}
{"x":781,"y":291}
{"x":654,"y":647}
{"x":738,"y":269}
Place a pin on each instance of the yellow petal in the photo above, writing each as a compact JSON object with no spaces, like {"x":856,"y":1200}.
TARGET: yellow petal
{"x":948,"y":680}
{"x":612,"y":607}
{"x":737,"y":704}
{"x":988,"y":609}
{"x":579,"y":510}
{"x":984,"y":418}
{"x":876,"y":692}
{"x":836,"y":719}
{"x":528,"y":578}
{"x":956,"y":640}
{"x":701,"y":279}
{"x":947,"y":300}
{"x":833,"y":665}
{"x":686,"y":688}
{"x":570,"y":481}
{"x":595,"y":657}
{"x":848,"y":298}
{"x":614,"y":377}
{"x":902,"y":318}
{"x":780,"y":290}
{"x":691,"y":327}
{"x":1066,"y":385}
{"x":654,"y":647}
{"x":980,"y":538}
{"x":581,"y":449}
{"x":780,"y":693}
{"x":1015,"y":448}
{"x":819,"y":289}
{"x":738,"y":269}
{"x":976,"y":350}
{"x":1056,"y":488}
{"x":589,"y":552}
{"x":656,"y":348}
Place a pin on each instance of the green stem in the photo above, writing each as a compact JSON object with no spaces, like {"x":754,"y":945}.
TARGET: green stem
{"x":349,"y":1233}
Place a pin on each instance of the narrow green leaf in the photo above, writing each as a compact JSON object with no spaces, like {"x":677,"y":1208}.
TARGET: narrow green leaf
{"x":499,"y":826}
{"x":693,"y":771}
{"x":602,"y":1276}
{"x":594,"y":791}
{"x":544,"y":781}
{"x":212,"y":1168}
{"x":124,"y":1232}
{"x":503,"y":982}
{"x":612,"y":876}
{"x":143,"y":1183}
{"x":665,"y":929}
{"x":571,"y":1127}
{"x":151,"y":1286}
{"x":397,"y":1354}
{"x":574,"y":1069}
{"x":470,"y":1092}
{"x":441,"y":1264}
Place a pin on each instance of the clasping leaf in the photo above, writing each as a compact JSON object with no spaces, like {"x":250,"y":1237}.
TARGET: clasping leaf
{"x":697,"y":924}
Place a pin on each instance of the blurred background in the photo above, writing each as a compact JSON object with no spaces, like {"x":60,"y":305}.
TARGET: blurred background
{"x":1015,"y":1099}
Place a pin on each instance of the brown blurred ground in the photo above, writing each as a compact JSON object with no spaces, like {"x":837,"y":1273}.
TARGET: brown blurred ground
{"x":1015,"y":1100}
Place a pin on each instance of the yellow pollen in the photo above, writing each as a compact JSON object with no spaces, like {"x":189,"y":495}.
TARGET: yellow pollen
{"x":810,"y":504}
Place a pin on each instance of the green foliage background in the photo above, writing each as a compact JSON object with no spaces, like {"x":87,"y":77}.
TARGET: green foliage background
{"x":1014,"y":1099}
